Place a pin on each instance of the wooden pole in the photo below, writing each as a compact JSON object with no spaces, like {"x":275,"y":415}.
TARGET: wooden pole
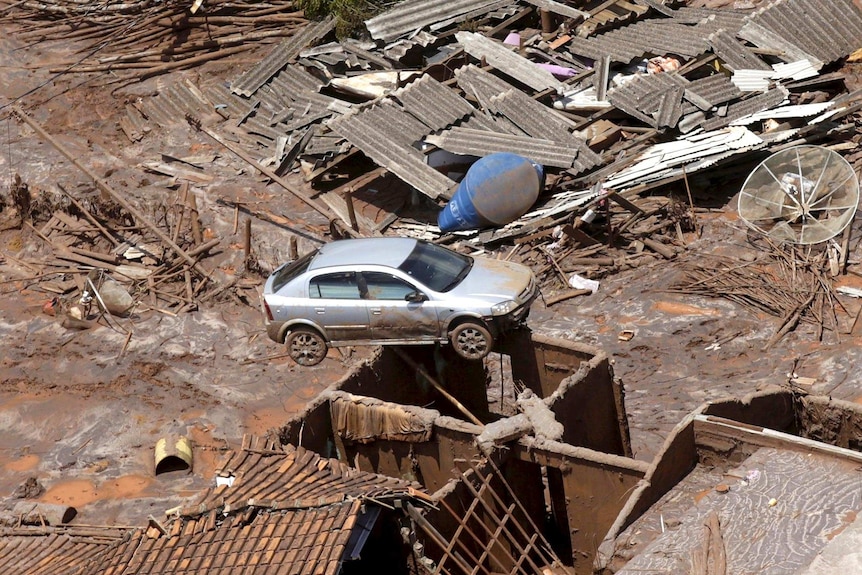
{"x":351,"y":210}
{"x":246,"y":242}
{"x":421,"y":370}
{"x":193,"y":216}
{"x":292,"y":251}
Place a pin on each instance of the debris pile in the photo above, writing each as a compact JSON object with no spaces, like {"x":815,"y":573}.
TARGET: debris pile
{"x":626,"y":107}
{"x":137,"y":40}
{"x":787,"y":282}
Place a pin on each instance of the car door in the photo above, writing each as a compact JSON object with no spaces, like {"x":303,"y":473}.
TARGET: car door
{"x":391,"y":316}
{"x":337,"y":306}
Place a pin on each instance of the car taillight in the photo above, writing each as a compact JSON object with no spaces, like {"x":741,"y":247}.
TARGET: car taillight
{"x":268,"y":311}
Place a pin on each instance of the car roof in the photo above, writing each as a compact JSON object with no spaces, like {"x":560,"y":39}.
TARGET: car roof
{"x":364,"y":251}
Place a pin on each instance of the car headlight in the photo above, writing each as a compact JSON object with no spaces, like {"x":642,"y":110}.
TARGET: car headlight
{"x":504,"y":307}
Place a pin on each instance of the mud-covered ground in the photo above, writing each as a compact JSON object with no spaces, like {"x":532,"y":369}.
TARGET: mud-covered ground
{"x":81,"y":410}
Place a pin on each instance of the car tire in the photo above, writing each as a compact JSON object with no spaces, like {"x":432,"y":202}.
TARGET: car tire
{"x":306,"y":346}
{"x":471,"y":340}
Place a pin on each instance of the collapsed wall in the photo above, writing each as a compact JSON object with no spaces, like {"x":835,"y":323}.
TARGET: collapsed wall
{"x":511,"y":493}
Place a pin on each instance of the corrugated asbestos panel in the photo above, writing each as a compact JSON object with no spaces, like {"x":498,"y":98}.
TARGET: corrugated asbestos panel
{"x":764,"y":101}
{"x":386,"y":134}
{"x":505,"y":60}
{"x":715,"y":89}
{"x":498,"y":10}
{"x":413,"y":15}
{"x":398,"y":49}
{"x":325,"y":144}
{"x":825,"y":30}
{"x":479,"y":84}
{"x":733,"y":53}
{"x":651,"y":37}
{"x":538,"y":121}
{"x":226,"y":101}
{"x":534,"y":118}
{"x":249,"y":82}
{"x":684,"y":34}
{"x":175,"y":102}
{"x":481,"y":143}
{"x":559,"y":8}
{"x":432,"y":103}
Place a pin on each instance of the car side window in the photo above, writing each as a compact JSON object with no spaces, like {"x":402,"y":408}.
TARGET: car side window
{"x":386,"y":286}
{"x":341,"y":285}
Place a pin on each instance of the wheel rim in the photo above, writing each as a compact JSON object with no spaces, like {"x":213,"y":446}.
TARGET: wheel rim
{"x":307,"y":349}
{"x":472,"y":343}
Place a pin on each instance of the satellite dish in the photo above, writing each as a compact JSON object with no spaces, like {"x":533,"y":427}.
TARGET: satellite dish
{"x":803,"y":195}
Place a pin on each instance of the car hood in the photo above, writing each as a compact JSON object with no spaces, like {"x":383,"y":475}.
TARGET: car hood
{"x":494,"y":280}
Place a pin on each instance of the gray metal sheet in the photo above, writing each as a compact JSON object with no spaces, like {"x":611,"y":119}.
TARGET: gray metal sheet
{"x":413,"y":15}
{"x":479,"y":84}
{"x":534,"y":118}
{"x":432,"y":103}
{"x":481,"y":143}
{"x":174,"y":103}
{"x":825,"y":30}
{"x":249,"y":82}
{"x":734,"y":53}
{"x":508,"y":62}
{"x":758,"y":103}
{"x":716,"y":89}
{"x":385,"y":134}
{"x":644,"y":95}
{"x":653,"y":37}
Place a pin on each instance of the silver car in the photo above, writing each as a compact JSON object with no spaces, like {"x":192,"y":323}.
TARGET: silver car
{"x":393,"y":291}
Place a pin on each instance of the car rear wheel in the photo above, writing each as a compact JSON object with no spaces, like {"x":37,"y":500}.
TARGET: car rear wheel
{"x":471,"y":340}
{"x":306,"y":346}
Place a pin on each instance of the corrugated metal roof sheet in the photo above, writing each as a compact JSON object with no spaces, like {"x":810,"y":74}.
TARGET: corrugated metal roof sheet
{"x":684,"y":34}
{"x":413,"y":15}
{"x":480,"y":84}
{"x":386,"y":134}
{"x":249,"y":82}
{"x":510,"y":63}
{"x":764,"y":101}
{"x":532,"y":117}
{"x":434,"y":104}
{"x":667,"y":158}
{"x":481,"y":143}
{"x":824,"y":29}
{"x":734,"y":53}
{"x":715,"y":89}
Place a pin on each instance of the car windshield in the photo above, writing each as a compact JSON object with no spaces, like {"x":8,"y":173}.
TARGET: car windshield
{"x":436,"y":267}
{"x":287,"y":272}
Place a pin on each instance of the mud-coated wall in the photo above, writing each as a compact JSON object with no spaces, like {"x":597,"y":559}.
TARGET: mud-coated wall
{"x":542,"y":363}
{"x":429,"y":462}
{"x":772,"y":408}
{"x":587,"y":490}
{"x":831,"y":421}
{"x":390,"y":377}
{"x":590,"y":407}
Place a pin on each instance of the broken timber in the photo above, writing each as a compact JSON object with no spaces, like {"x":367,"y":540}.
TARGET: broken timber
{"x":102,"y":185}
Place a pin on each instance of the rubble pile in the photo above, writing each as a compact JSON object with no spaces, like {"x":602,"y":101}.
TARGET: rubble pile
{"x":641,"y":114}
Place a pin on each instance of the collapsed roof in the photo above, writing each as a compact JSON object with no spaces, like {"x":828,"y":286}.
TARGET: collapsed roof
{"x":593,"y":103}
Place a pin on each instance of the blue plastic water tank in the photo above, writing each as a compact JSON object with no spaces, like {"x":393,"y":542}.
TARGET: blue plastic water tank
{"x":496,"y":190}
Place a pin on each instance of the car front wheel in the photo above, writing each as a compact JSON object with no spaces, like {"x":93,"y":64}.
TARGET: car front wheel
{"x":471,"y":340}
{"x":306,"y":346}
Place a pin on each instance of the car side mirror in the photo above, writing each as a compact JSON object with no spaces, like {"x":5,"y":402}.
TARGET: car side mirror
{"x":416,"y":297}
